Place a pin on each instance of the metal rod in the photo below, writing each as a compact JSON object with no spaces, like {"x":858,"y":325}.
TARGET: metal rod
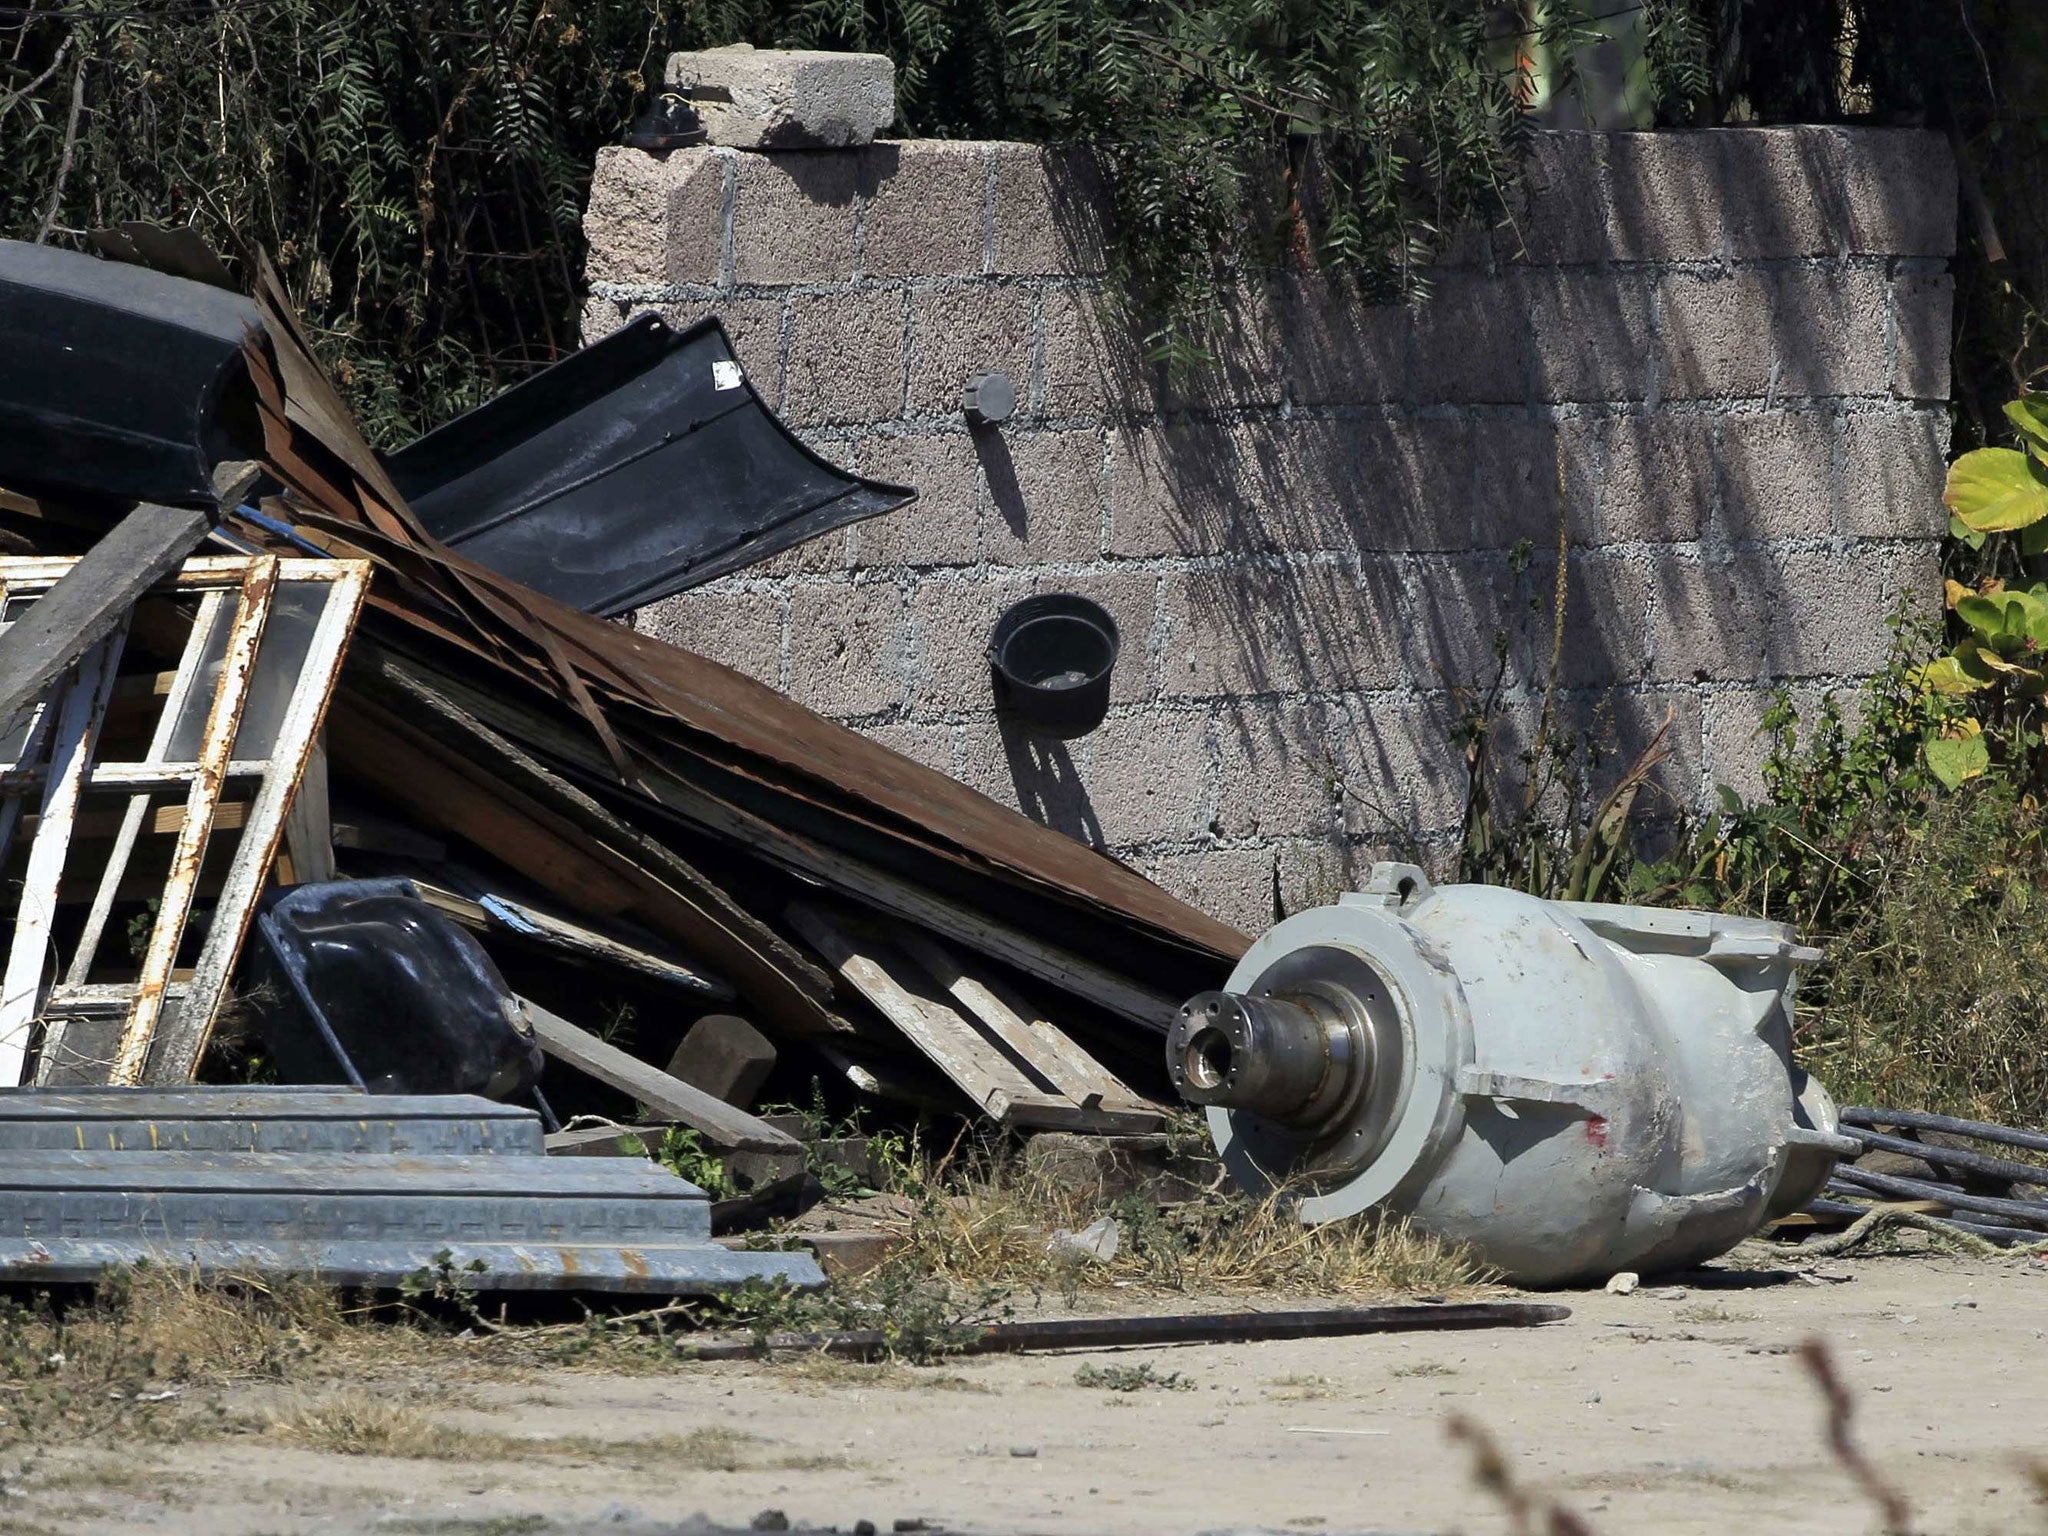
{"x":2031,"y":1213}
{"x":1169,"y":1328}
{"x":1953,"y":1157}
{"x":1920,"y":1120}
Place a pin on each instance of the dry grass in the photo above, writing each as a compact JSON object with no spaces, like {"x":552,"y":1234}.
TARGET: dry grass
{"x":361,"y":1424}
{"x":985,"y":1219}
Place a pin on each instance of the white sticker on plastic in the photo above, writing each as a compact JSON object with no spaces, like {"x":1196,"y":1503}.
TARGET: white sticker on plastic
{"x":726,"y":376}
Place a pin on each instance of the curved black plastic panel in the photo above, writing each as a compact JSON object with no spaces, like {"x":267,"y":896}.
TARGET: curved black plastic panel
{"x":117,"y":380}
{"x":640,"y":466}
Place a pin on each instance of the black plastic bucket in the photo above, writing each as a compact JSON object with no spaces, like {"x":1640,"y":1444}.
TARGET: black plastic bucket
{"x":1052,"y":656}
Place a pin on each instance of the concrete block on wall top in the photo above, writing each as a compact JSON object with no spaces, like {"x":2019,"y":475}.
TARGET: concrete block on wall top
{"x":770,"y":98}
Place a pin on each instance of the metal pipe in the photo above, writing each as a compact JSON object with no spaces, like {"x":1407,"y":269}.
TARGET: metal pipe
{"x":1170,"y":1328}
{"x":1921,"y":1120}
{"x":2032,"y":1213}
{"x":1952,"y":1157}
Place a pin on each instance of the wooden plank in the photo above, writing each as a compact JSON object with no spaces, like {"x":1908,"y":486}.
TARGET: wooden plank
{"x":1043,"y":1045}
{"x":977,"y":1068}
{"x":75,"y":737}
{"x":462,"y":801}
{"x":182,"y":682}
{"x":94,"y":595}
{"x":139,"y":777}
{"x":669,"y":1098}
{"x":845,"y":874}
{"x":494,"y":913}
{"x":29,"y":574}
{"x":307,"y":831}
{"x":773,"y":975}
{"x":217,"y":740}
{"x":173,"y":1056}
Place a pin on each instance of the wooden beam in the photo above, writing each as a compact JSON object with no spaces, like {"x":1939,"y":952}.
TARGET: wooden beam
{"x":93,"y":596}
{"x":669,"y":1098}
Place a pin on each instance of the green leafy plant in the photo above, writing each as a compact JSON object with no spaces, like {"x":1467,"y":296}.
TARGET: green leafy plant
{"x":684,"y":1153}
{"x":1131,"y":1378}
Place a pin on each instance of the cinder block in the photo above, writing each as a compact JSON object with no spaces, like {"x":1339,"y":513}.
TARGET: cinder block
{"x":1786,"y":192}
{"x":845,"y":358}
{"x":1277,"y":770}
{"x":1735,"y":743}
{"x":1894,"y":468}
{"x":1760,"y":616}
{"x":1829,"y":326}
{"x":1148,"y":776}
{"x":1335,"y":349}
{"x":1656,"y":478}
{"x":1666,"y":195}
{"x":1923,"y":327}
{"x":1041,"y":779}
{"x":1277,"y":626}
{"x":1563,"y":213}
{"x":1472,"y":612}
{"x":1777,"y":475}
{"x":726,"y":1057}
{"x":1901,"y":192}
{"x":1232,"y":885}
{"x":601,"y":317}
{"x":827,"y":554}
{"x":1401,"y":768}
{"x":786,"y":98}
{"x":1592,"y":334}
{"x":847,"y":645}
{"x":1045,"y":496}
{"x":1184,"y":488}
{"x":753,"y":326}
{"x":1050,"y":212}
{"x":1244,"y":344}
{"x":1415,"y":483}
{"x":1091,"y":364}
{"x":741,"y":630}
{"x":1616,"y":727}
{"x":928,"y":213}
{"x":795,"y":216}
{"x":931,"y":745}
{"x":1473,"y":344}
{"x":1515,"y":471}
{"x":942,"y":527}
{"x":956,"y":332}
{"x":1715,"y":334}
{"x":655,"y":219}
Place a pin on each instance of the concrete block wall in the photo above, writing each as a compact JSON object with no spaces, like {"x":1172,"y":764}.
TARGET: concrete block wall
{"x":1717,"y":361}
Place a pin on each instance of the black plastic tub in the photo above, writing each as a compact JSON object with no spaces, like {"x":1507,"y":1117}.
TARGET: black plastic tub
{"x":1052,"y":656}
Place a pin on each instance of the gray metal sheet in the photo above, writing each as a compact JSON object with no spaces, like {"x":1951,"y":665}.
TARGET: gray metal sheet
{"x":265,"y":1120}
{"x":285,"y":1198}
{"x":654,"y":1269}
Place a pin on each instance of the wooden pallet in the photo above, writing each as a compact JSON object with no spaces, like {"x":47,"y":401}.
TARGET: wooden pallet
{"x":1020,"y":1067}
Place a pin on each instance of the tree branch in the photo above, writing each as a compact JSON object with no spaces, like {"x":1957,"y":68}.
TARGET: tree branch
{"x":64,"y":161}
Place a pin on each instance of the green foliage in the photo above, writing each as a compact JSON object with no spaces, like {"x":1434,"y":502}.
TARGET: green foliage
{"x":1131,"y":1378}
{"x":921,"y":1318}
{"x":684,"y":1154}
{"x":418,"y":169}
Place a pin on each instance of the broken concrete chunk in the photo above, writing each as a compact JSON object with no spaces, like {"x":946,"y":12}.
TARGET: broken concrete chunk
{"x":769,"y":98}
{"x":726,"y":1057}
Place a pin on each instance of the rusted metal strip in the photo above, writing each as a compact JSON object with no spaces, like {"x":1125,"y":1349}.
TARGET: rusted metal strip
{"x":77,"y":734}
{"x":1172,"y":1328}
{"x":223,"y":720}
{"x":175,"y":1053}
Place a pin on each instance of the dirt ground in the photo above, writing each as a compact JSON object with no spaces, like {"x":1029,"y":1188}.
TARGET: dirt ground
{"x":1658,"y":1411}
